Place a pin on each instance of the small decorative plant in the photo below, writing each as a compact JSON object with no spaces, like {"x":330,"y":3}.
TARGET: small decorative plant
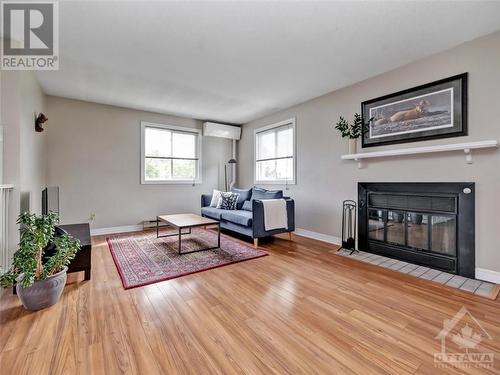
{"x":36,"y":233}
{"x":351,"y":131}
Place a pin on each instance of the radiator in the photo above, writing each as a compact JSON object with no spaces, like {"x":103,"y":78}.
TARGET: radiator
{"x":4,"y":227}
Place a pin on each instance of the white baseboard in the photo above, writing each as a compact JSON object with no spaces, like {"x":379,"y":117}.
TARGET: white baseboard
{"x":298,"y":231}
{"x":488,"y":275}
{"x":481,"y":273}
{"x":110,"y":230}
{"x":318,"y":236}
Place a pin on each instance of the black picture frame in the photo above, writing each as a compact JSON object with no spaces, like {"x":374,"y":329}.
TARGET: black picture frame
{"x":449,"y":121}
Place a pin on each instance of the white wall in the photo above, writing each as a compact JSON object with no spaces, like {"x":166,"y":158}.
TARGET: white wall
{"x":24,"y":154}
{"x":324,"y":180}
{"x":10,"y":118}
{"x":33,"y":145}
{"x":94,"y":158}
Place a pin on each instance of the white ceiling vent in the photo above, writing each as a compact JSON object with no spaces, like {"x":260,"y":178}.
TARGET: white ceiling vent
{"x":213,"y":129}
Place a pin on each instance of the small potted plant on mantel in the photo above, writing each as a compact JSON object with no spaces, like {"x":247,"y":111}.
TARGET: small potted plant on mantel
{"x":40,"y":280}
{"x":352,"y":131}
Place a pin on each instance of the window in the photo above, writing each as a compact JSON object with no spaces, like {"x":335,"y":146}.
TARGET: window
{"x":170,"y":154}
{"x":275,"y":153}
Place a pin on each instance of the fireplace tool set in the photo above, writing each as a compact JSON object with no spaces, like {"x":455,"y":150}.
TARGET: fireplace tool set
{"x":349,"y":225}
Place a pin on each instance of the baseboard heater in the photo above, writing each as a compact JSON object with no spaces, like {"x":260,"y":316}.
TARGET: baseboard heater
{"x":148,"y":224}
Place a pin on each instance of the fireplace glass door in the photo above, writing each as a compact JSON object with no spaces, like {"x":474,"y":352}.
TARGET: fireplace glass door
{"x":418,"y":230}
{"x":376,"y":224}
{"x":396,"y":227}
{"x":443,"y":233}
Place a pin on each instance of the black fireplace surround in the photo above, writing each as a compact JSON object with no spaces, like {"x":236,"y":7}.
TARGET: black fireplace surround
{"x":430,"y":224}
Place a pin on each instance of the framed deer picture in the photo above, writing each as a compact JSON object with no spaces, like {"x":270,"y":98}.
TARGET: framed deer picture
{"x":435,"y":110}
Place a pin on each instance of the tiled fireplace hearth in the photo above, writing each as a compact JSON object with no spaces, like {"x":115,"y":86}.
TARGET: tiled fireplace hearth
{"x":477,"y":287}
{"x":429,"y":224}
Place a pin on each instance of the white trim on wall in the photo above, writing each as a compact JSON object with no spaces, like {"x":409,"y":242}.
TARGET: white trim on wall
{"x":488,"y":275}
{"x":481,"y":273}
{"x":111,"y":230}
{"x":318,"y":236}
{"x":138,"y":227}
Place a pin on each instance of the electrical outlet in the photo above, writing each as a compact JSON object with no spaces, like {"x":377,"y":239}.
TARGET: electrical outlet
{"x":92,"y":216}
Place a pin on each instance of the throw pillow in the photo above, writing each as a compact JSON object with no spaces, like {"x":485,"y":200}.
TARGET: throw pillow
{"x":245,"y":194}
{"x":247,"y":206}
{"x":259,"y":193}
{"x":215,"y":198}
{"x":228,"y":201}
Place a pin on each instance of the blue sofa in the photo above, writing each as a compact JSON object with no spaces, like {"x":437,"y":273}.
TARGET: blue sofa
{"x":248,"y":218}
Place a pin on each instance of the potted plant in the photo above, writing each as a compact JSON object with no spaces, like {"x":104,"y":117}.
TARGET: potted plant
{"x":352,"y":131}
{"x":40,"y":280}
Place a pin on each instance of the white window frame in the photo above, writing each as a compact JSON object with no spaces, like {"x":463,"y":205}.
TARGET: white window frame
{"x":293,"y":181}
{"x":144,"y":125}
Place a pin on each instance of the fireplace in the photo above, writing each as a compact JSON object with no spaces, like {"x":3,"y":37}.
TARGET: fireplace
{"x":431,"y":224}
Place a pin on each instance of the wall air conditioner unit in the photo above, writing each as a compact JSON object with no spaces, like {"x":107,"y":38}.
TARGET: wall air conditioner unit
{"x":213,"y":129}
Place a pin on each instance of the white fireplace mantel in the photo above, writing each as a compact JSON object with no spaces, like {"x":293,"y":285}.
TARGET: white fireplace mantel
{"x":465,"y":147}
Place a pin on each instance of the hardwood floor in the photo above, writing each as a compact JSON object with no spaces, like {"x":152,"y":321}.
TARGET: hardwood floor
{"x":302,"y":310}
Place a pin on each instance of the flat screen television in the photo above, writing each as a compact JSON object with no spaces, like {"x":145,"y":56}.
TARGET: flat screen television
{"x":50,"y":200}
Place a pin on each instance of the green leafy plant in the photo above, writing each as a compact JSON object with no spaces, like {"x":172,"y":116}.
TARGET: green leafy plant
{"x":36,"y":232}
{"x":353,"y":130}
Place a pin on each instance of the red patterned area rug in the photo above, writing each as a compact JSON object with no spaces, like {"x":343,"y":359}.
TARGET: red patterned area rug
{"x":143,"y":259}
